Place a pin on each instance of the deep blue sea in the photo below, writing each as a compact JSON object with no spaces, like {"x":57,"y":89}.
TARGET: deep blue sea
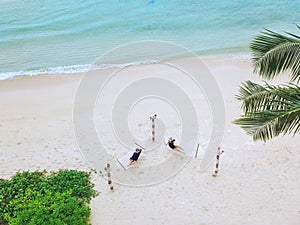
{"x":60,"y":36}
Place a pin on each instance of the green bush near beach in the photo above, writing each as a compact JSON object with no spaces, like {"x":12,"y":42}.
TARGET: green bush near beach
{"x":41,"y":198}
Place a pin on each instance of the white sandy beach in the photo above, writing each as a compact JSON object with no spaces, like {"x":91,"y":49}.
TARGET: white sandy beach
{"x":258,"y":183}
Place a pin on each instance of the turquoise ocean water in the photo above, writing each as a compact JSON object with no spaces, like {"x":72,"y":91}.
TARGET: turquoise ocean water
{"x":60,"y":36}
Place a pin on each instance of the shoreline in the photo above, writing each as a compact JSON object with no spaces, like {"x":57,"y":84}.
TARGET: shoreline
{"x":81,"y":69}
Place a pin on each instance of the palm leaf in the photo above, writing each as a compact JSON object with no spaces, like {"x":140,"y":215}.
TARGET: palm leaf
{"x":273,"y":53}
{"x":256,"y":97}
{"x":269,"y":110}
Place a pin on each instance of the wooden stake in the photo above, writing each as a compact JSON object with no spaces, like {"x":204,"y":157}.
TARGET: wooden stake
{"x":152,"y":118}
{"x":217,"y":162}
{"x":107,"y":168}
{"x":197,"y":151}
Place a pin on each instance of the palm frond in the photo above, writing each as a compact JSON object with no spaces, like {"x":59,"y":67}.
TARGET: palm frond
{"x":269,"y":110}
{"x":273,"y":53}
{"x":267,"y":125}
{"x":256,"y":97}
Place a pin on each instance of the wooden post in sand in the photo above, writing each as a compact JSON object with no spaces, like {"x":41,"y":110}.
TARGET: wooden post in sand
{"x":107,"y":169}
{"x":152,"y":118}
{"x":197,"y":151}
{"x":217,"y":162}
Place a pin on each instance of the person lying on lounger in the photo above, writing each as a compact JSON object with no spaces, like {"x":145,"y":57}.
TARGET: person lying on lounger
{"x":135,"y":156}
{"x":174,"y":147}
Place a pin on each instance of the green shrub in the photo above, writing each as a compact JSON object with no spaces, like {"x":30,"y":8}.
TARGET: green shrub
{"x":77,"y":181}
{"x":16,"y":187}
{"x":30,"y":195}
{"x":49,"y":208}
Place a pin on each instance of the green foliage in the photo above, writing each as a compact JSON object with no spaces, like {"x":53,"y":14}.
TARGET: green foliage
{"x":269,"y":110}
{"x":76,"y":181}
{"x":48,"y":208}
{"x":272,"y":110}
{"x":273,"y":53}
{"x":39,"y":197}
{"x":17,"y":187}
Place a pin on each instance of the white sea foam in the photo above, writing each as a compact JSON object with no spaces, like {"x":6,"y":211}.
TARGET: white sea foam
{"x":69,"y":69}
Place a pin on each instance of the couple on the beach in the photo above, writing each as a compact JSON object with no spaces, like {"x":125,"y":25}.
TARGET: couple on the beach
{"x":138,"y":151}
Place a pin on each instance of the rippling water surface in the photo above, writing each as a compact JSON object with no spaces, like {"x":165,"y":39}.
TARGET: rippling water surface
{"x":60,"y":36}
